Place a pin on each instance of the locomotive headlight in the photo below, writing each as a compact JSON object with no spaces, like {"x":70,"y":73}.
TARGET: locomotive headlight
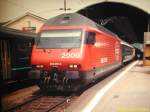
{"x":39,"y":66}
{"x":70,"y":66}
{"x":74,"y":66}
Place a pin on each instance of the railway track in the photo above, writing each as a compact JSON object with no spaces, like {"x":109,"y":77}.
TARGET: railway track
{"x":42,"y":104}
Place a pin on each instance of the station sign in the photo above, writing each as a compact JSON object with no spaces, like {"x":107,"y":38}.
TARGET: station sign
{"x":29,"y":29}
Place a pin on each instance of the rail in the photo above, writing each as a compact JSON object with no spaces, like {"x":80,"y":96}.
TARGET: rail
{"x":41,"y":103}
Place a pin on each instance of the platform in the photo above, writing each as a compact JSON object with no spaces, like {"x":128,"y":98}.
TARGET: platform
{"x":127,"y":91}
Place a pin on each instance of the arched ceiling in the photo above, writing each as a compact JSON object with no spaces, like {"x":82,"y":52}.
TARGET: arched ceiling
{"x":128,"y":21}
{"x":140,"y":4}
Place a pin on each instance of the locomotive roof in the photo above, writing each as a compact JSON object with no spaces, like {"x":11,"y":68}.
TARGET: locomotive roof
{"x":71,"y":19}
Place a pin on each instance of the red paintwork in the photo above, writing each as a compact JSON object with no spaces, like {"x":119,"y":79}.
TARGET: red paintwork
{"x":107,"y":49}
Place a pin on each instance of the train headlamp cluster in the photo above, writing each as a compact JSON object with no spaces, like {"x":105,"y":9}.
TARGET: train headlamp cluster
{"x":39,"y":66}
{"x":74,"y":66}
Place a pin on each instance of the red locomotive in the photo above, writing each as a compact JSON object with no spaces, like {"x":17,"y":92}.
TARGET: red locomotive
{"x":71,"y":51}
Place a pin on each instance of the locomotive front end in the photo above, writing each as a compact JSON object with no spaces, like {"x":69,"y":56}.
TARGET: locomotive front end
{"x":58,"y":54}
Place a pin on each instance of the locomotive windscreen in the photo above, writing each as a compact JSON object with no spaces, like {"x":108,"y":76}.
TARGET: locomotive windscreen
{"x":59,"y":39}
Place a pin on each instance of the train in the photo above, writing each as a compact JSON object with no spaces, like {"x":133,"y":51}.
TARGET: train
{"x":15,"y":53}
{"x":71,"y":51}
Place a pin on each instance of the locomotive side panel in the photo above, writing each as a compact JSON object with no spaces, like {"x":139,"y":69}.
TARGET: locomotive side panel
{"x":107,"y":54}
{"x":101,"y":57}
{"x":106,"y":51}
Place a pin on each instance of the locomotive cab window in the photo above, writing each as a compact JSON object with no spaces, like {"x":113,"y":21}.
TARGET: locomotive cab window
{"x":90,"y":38}
{"x":59,"y":39}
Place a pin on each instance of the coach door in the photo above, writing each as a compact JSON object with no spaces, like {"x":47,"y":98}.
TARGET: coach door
{"x":5,"y":59}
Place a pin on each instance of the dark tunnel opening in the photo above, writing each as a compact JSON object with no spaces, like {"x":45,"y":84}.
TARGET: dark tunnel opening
{"x":127,"y":21}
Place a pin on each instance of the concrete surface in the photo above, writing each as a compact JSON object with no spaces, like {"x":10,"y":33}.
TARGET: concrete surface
{"x":131,"y":93}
